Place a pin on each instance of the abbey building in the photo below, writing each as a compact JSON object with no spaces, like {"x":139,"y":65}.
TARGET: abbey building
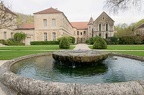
{"x":50,"y":24}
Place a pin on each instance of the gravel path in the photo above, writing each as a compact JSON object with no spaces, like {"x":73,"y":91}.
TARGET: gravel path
{"x":82,"y":47}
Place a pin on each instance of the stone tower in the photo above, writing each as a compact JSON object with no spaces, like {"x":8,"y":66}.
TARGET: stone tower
{"x":90,"y":28}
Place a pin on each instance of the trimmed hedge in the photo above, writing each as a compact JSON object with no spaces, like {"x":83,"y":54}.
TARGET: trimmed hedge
{"x":64,"y":43}
{"x":112,"y":41}
{"x":100,"y":44}
{"x":44,"y":43}
{"x":70,"y":39}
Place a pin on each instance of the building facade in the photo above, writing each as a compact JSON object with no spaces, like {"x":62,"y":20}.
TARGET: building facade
{"x":50,"y":24}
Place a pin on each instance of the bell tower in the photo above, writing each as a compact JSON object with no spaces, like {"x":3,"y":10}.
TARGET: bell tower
{"x":90,"y":28}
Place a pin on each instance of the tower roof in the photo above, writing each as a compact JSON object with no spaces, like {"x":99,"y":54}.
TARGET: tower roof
{"x":90,"y":21}
{"x":48,"y":11}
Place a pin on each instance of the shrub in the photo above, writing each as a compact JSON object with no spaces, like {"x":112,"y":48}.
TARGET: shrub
{"x":44,"y":43}
{"x":64,"y":43}
{"x":11,"y":42}
{"x":138,"y":39}
{"x":126,"y":40}
{"x":70,"y":39}
{"x":2,"y":41}
{"x":100,"y":44}
{"x":19,"y":37}
{"x":112,"y":40}
{"x":91,"y":41}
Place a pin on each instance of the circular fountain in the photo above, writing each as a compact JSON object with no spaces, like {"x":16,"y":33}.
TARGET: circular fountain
{"x":76,"y":57}
{"x":39,"y":74}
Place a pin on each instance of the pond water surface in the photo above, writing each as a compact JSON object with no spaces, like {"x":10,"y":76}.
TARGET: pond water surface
{"x":113,"y":69}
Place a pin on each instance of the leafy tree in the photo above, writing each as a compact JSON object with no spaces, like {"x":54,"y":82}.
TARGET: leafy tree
{"x":19,"y":37}
{"x":124,"y":30}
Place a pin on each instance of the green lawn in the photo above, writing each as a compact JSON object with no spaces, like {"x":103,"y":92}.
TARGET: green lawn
{"x":10,"y":52}
{"x":33,"y":47}
{"x":123,"y":47}
{"x":137,"y":53}
{"x":7,"y":55}
{"x":126,"y":49}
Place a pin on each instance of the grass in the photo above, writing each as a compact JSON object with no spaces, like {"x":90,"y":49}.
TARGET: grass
{"x":7,"y":55}
{"x":33,"y":47}
{"x":137,"y":53}
{"x":126,"y":49}
{"x":10,"y":52}
{"x":123,"y":47}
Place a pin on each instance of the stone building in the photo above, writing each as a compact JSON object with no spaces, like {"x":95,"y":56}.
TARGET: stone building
{"x":103,"y":26}
{"x":50,"y":24}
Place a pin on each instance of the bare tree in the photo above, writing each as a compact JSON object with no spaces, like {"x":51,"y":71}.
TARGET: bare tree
{"x":7,"y":17}
{"x":115,"y":6}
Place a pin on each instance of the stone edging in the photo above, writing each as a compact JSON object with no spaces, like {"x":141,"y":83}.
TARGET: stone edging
{"x":27,"y":86}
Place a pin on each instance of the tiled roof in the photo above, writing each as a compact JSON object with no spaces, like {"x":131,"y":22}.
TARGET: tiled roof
{"x":48,"y":11}
{"x":80,"y":25}
{"x":26,"y":26}
{"x":141,"y":26}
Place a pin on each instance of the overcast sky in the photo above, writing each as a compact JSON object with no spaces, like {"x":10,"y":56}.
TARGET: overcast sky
{"x":75,"y":10}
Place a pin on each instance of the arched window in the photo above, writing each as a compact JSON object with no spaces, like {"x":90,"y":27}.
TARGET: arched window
{"x":100,"y":26}
{"x":45,"y":36}
{"x":106,"y":35}
{"x":54,"y":36}
{"x":53,"y":22}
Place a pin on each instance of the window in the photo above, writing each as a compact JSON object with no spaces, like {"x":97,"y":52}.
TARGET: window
{"x":54,"y":36}
{"x":5,"y":37}
{"x":11,"y":34}
{"x":53,"y":22}
{"x":84,"y":32}
{"x":106,"y":27}
{"x":106,"y":35}
{"x":45,"y":36}
{"x":44,"y":22}
{"x":77,"y":32}
{"x":81,"y":33}
{"x":99,"y":27}
{"x":100,"y":34}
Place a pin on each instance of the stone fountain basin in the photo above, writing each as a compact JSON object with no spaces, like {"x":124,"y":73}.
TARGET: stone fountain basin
{"x":14,"y":84}
{"x":81,"y":56}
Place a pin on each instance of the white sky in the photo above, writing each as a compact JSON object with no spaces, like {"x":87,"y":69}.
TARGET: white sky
{"x":75,"y":10}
